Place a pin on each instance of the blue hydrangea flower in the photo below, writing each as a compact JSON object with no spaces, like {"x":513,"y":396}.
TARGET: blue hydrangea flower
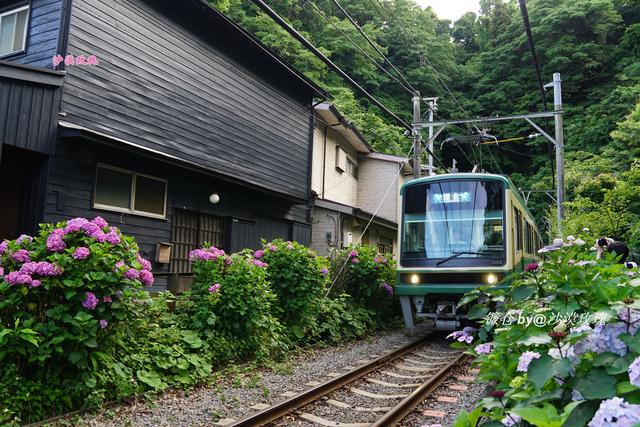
{"x":525,"y":359}
{"x":510,"y":420}
{"x":634,"y":372}
{"x":616,"y":412}
{"x":484,"y":348}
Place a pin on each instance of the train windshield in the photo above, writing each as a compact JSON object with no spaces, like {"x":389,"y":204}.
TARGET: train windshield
{"x":454,"y":221}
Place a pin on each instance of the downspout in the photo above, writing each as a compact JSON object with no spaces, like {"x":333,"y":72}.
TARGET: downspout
{"x":324,"y":158}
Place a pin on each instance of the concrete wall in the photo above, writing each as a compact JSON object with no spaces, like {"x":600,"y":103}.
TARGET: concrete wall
{"x":375,"y":178}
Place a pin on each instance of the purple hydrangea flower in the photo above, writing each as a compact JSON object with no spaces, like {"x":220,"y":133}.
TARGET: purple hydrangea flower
{"x":634,"y":372}
{"x":525,"y":360}
{"x":107,"y":299}
{"x":81,"y":253}
{"x":146,"y":277}
{"x":388,"y":288}
{"x":35,"y":283}
{"x":214,"y":288}
{"x":206,"y":254}
{"x":531,"y":267}
{"x":75,"y":224}
{"x":41,"y":268}
{"x":258,"y":254}
{"x":576,"y":396}
{"x":259,"y":263}
{"x":21,"y":256}
{"x":103,"y":323}
{"x":3,"y":246}
{"x":132,"y":274}
{"x":24,"y":238}
{"x":324,"y":271}
{"x":353,"y":254}
{"x":228,"y":260}
{"x":484,"y":348}
{"x":616,"y":412}
{"x":355,"y":260}
{"x":91,"y":301}
{"x":463,"y":335}
{"x":112,"y":237}
{"x":100,"y":222}
{"x":1,"y":271}
{"x":17,"y":278}
{"x":146,"y":265}
{"x":55,"y":242}
{"x":272,"y":248}
{"x":119,"y":265}
{"x":510,"y":420}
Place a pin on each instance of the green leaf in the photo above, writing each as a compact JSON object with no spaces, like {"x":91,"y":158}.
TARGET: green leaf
{"x":192,"y":338}
{"x":151,"y":378}
{"x":75,"y":357}
{"x":3,"y":334}
{"x":535,"y":339}
{"x":90,"y":342}
{"x":83,"y":316}
{"x":582,"y":413}
{"x":545,"y":367}
{"x":620,"y":365}
{"x":597,"y":384}
{"x":633,"y":341}
{"x":522,"y":293}
{"x":29,"y":336}
{"x":625,"y":387}
{"x":547,"y":416}
{"x":478,"y":311}
{"x":605,"y":359}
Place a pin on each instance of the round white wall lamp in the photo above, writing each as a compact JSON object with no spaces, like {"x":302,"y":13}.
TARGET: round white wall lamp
{"x":214,"y":198}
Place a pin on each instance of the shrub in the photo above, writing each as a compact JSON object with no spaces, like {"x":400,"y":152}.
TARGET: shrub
{"x":368,"y":277}
{"x":299,"y":278}
{"x":61,"y":294}
{"x":563,"y":349}
{"x":244,"y":309}
{"x":339,"y":320}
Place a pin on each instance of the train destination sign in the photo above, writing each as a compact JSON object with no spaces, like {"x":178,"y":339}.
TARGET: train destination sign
{"x":440,"y":198}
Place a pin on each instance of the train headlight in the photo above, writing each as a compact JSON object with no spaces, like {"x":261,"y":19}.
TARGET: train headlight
{"x":491,"y":279}
{"x":415,"y":279}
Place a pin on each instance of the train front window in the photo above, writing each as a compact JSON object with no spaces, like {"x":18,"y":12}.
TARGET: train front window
{"x":460,"y":219}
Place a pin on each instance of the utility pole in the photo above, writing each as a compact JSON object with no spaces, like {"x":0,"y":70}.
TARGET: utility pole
{"x":559,"y":143}
{"x":417,"y":173}
{"x":433,"y":106}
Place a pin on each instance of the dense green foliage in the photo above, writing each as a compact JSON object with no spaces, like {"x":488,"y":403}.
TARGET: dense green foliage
{"x":561,"y":345}
{"x":76,"y":329}
{"x":484,"y":60}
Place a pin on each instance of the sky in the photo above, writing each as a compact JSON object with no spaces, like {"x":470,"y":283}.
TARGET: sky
{"x":451,"y":9}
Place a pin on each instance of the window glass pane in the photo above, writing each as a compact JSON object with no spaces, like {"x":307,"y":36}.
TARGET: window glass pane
{"x":150,"y":195}
{"x":113,"y":188}
{"x":21,"y":27}
{"x":7,"y":28}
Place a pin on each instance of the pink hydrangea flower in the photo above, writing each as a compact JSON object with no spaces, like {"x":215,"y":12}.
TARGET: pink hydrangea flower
{"x":206,"y":254}
{"x":75,"y":224}
{"x":55,"y":242}
{"x":272,"y":248}
{"x":112,"y":237}
{"x":42,"y":268}
{"x":24,"y":238}
{"x":355,"y":260}
{"x":81,"y":253}
{"x":35,"y":283}
{"x":214,"y":288}
{"x":146,"y":277}
{"x":100,"y":222}
{"x":353,"y":254}
{"x":132,"y":274}
{"x":1,"y":271}
{"x":91,"y":301}
{"x":258,"y":254}
{"x":146,"y":265}
{"x":259,"y":263}
{"x":107,"y":299}
{"x":103,"y":323}
{"x":17,"y":278}
{"x":21,"y":256}
{"x":3,"y":246}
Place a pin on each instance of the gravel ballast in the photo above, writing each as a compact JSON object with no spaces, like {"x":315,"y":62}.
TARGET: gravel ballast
{"x":241,"y":388}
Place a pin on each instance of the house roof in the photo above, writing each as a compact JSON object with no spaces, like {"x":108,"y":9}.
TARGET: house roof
{"x":250,"y":41}
{"x":330,"y":115}
{"x":406,"y":164}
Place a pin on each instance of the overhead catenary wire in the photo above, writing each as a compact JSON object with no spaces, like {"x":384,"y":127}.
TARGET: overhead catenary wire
{"x":300,"y":38}
{"x":372,"y":44}
{"x":409,"y":88}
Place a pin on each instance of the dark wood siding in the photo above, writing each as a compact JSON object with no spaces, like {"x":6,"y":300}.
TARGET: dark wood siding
{"x":163,"y":86}
{"x":43,"y":32}
{"x":249,"y":215}
{"x":29,"y":102}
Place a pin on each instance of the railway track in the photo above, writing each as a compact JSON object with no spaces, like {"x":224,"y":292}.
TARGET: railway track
{"x":379,"y":392}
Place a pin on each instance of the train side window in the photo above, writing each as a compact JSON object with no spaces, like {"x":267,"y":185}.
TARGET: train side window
{"x":517,"y":217}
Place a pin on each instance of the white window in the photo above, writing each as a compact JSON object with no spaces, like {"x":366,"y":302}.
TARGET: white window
{"x":352,"y":168}
{"x":13,"y":30}
{"x":121,"y":190}
{"x":341,"y":160}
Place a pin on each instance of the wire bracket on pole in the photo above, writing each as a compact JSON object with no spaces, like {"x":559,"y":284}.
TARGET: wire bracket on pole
{"x":545,"y":134}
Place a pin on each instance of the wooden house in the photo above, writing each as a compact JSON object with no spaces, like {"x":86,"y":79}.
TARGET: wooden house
{"x":165,"y":118}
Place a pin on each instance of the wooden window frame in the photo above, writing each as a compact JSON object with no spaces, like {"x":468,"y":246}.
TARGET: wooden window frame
{"x":17,"y":9}
{"x":132,"y":199}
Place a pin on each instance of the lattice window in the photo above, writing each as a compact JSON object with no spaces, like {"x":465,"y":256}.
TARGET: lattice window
{"x":190,"y":231}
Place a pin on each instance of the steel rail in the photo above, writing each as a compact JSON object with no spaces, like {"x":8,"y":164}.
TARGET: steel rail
{"x":289,"y":405}
{"x":409,"y":403}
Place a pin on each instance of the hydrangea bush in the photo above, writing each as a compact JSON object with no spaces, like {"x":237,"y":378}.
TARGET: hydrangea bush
{"x":233,"y":295}
{"x":299,"y":279}
{"x":60,"y":294}
{"x":368,"y":277}
{"x":562,"y":347}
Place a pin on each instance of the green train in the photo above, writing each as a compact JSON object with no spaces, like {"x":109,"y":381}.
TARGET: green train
{"x":459,"y":231}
